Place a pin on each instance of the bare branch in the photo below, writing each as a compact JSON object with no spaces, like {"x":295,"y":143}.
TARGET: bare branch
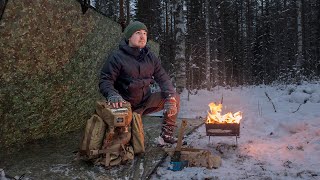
{"x":271,"y":101}
{"x":305,"y":101}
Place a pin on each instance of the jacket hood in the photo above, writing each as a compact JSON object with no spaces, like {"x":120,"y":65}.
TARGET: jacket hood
{"x":123,"y":45}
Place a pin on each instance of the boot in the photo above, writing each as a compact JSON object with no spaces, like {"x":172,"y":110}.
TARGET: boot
{"x":167,"y":134}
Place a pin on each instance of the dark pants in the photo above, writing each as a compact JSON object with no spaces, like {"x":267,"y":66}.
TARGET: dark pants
{"x":155,"y":103}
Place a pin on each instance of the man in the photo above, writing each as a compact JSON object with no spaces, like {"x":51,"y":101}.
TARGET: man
{"x":128,"y":73}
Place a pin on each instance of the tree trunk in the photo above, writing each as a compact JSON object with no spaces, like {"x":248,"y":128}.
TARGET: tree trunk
{"x":121,"y":15}
{"x":248,"y":42}
{"x":180,"y":46}
{"x":208,"y":59}
{"x":223,"y":55}
{"x":128,"y":12}
{"x":300,"y":41}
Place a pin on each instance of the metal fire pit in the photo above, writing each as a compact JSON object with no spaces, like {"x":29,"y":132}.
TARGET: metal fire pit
{"x":223,"y":129}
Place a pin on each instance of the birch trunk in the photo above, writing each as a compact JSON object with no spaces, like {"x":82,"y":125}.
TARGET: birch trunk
{"x":180,"y":47}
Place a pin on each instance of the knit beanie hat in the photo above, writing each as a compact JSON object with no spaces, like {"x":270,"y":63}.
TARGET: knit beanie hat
{"x":133,"y":27}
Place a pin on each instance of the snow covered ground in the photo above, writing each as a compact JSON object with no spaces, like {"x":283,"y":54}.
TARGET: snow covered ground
{"x":273,"y":145}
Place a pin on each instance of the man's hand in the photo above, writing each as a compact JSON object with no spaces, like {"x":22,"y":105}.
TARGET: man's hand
{"x":170,"y":106}
{"x":116,"y":101}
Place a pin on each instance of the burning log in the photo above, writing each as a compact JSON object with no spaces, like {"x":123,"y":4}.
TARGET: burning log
{"x":215,"y":117}
{"x":222,"y":125}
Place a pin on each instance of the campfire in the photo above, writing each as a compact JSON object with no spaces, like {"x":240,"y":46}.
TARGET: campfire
{"x":222,"y":125}
{"x":215,"y":117}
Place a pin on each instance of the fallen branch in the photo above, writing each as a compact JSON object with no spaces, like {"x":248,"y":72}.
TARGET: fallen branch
{"x":271,"y":101}
{"x":305,"y":101}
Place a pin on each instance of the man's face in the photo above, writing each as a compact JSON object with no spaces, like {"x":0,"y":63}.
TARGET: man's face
{"x":138,"y":39}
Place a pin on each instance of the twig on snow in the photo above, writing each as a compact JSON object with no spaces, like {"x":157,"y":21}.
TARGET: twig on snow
{"x":259,"y":109}
{"x":305,"y":101}
{"x":271,"y":101}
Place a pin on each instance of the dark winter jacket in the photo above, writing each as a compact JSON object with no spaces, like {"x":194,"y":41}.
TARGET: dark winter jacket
{"x":129,"y":72}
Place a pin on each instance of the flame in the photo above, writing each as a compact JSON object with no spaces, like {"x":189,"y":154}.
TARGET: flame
{"x":214,"y":116}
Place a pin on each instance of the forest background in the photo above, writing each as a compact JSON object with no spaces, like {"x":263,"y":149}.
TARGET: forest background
{"x":205,"y":43}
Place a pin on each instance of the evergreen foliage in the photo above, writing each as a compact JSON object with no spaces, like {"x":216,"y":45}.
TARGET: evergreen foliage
{"x":251,"y":42}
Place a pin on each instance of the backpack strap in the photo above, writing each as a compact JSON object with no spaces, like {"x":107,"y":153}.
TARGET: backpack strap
{"x":107,"y":159}
{"x":90,"y":133}
{"x":108,"y":151}
{"x":108,"y":139}
{"x":113,"y":149}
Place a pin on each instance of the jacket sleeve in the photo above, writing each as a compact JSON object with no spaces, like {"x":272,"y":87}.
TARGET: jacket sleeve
{"x":162,"y":78}
{"x":109,"y":73}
